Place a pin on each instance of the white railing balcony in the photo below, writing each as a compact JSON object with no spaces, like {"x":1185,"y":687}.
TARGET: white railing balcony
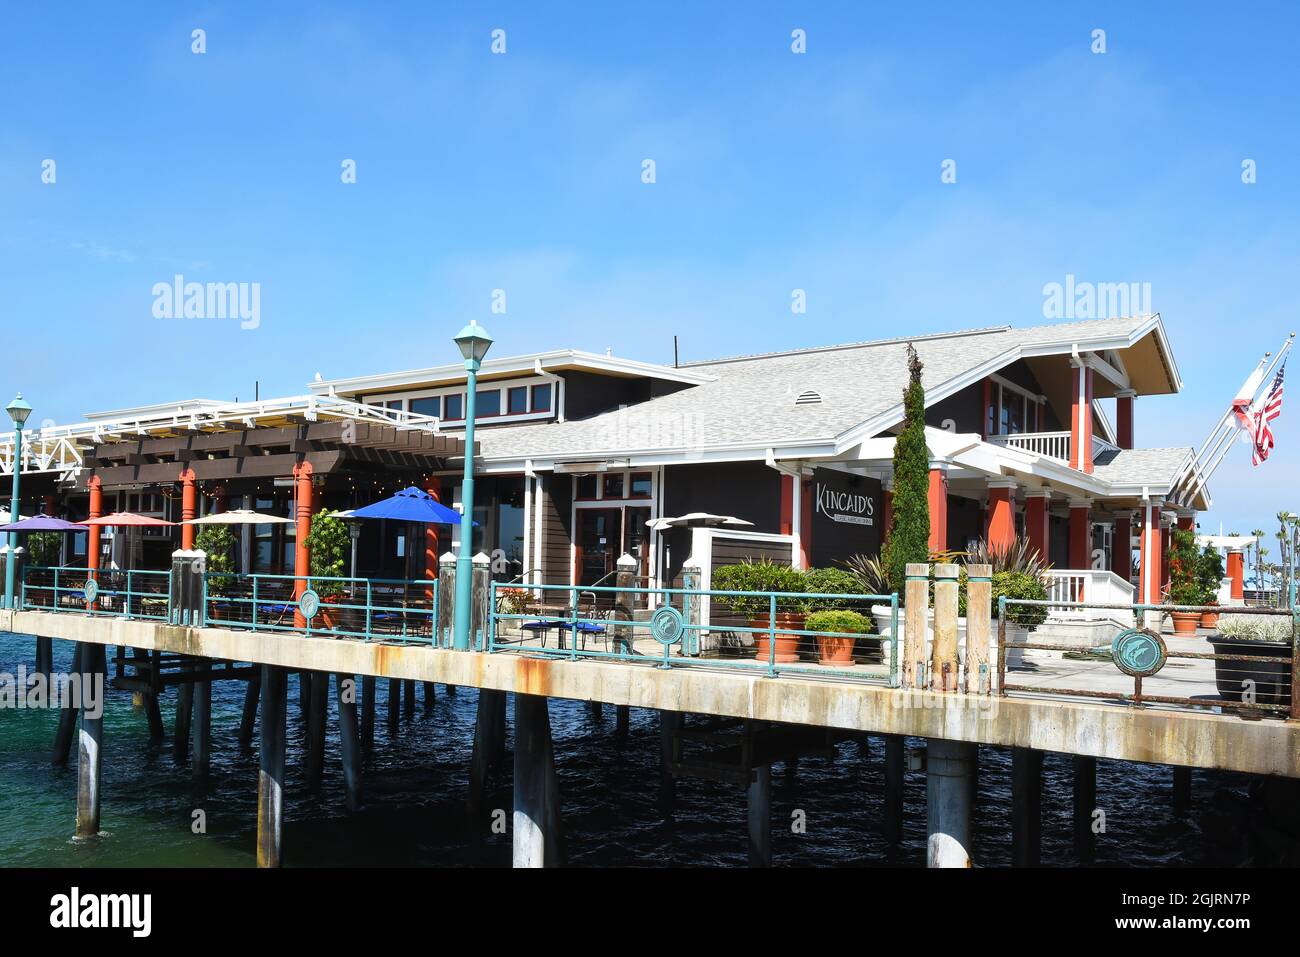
{"x":1096,"y":586}
{"x":1052,"y":445}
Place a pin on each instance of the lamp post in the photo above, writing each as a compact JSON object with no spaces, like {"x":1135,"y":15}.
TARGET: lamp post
{"x":18,"y":411}
{"x":474,"y":343}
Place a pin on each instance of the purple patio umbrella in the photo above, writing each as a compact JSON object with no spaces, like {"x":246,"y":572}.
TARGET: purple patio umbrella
{"x":42,"y":523}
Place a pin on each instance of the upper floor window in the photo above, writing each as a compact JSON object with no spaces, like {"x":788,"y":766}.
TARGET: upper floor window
{"x":487,"y":403}
{"x":454,"y":406}
{"x":517,"y":400}
{"x":542,"y":398}
{"x":428,"y":405}
{"x":1011,"y":410}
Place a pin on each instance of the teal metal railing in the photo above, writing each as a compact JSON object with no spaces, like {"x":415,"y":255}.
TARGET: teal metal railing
{"x":693,"y":628}
{"x":120,"y":593}
{"x":387,"y":609}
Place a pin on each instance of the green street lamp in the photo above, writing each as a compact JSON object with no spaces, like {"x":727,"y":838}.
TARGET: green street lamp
{"x":474,"y":343}
{"x":18,"y":411}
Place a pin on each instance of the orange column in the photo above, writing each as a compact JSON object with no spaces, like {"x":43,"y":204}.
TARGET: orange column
{"x":433,"y":485}
{"x":51,"y":505}
{"x":805,"y":522}
{"x":787,"y":505}
{"x":1038,"y":521}
{"x":1152,"y":554}
{"x":189,"y":507}
{"x":938,"y":502}
{"x":1080,"y":534}
{"x":1124,"y":418}
{"x":1081,"y":419}
{"x":1000,"y":529}
{"x":1237,"y":572}
{"x":1122,"y":547}
{"x":1187,"y":521}
{"x":92,"y":534}
{"x":301,"y":553}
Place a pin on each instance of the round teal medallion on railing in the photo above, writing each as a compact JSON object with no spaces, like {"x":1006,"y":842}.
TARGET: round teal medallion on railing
{"x":309,"y":604}
{"x":1139,"y":652}
{"x":667,"y":625}
{"x":91,"y":589}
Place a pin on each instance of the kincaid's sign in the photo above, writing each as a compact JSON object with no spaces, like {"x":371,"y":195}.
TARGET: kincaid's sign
{"x":844,"y":505}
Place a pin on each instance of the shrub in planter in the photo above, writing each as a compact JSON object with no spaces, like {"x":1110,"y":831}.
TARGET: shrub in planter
{"x":832,"y":581}
{"x":765,"y":576}
{"x":841,"y":624}
{"x":1184,"y":585}
{"x":1020,"y":585}
{"x":218,"y":542}
{"x":1254,"y":636}
{"x":328,"y":543}
{"x":1209,"y":573}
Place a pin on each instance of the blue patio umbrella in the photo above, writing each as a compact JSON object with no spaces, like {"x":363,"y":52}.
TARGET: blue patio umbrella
{"x":42,"y":523}
{"x":410,"y":505}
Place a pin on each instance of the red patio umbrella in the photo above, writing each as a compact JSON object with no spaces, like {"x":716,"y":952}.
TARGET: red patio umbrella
{"x":125,"y":520}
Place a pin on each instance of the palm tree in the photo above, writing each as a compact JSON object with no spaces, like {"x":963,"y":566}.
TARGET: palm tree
{"x":1257,"y":534}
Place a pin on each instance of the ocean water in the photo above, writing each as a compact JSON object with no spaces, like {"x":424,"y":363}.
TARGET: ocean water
{"x":415,"y":784}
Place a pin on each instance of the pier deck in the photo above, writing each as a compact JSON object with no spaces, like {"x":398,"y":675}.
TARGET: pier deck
{"x":1083,"y":727}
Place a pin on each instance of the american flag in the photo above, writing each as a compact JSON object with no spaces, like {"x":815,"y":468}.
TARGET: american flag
{"x":1262,"y":432}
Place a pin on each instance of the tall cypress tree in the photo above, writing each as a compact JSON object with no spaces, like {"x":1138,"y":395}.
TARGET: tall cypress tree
{"x":909,"y":541}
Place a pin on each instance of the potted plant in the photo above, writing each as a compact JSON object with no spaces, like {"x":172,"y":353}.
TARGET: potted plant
{"x":837,"y":629}
{"x":327,"y":543}
{"x":217,"y":542}
{"x":1255,"y":636}
{"x":1184,"y":586}
{"x":759,"y":577}
{"x":1209,"y":571}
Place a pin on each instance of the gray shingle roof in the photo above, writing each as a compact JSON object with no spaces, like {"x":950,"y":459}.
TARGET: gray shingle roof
{"x":751,"y":401}
{"x":1140,"y":466}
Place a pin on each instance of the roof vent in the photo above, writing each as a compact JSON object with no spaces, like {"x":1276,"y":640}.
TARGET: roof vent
{"x":809,"y":398}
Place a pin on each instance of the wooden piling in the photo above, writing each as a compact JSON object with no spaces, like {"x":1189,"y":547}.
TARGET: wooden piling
{"x":943,"y":658}
{"x":1085,"y":803}
{"x":349,"y":740}
{"x":408,"y":700}
{"x":394,"y":704}
{"x":184,"y":715}
{"x":248,"y":719}
{"x":979,"y":628}
{"x":485,"y":734}
{"x":45,"y":657}
{"x":202,"y":727}
{"x":536,"y":832}
{"x":894,"y":771}
{"x":622,"y":719}
{"x":90,"y":756}
{"x":430,"y":696}
{"x":917,"y":596}
{"x":318,"y":705}
{"x":368,"y":714}
{"x":68,"y":711}
{"x":1026,"y":806}
{"x":597,"y":710}
{"x":270,"y":778}
{"x":153,"y":714}
{"x":759,"y":815}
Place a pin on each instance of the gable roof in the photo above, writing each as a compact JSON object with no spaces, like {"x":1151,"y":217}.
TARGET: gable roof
{"x":750,"y":401}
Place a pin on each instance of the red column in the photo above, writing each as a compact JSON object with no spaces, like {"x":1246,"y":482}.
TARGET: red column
{"x":938,"y":503}
{"x":219,"y":503}
{"x":92,"y":534}
{"x":301,"y":553}
{"x":889,"y":515}
{"x":1081,"y":419}
{"x":1000,"y":528}
{"x":787,"y":505}
{"x":1122,"y":548}
{"x":805,"y":523}
{"x":1080,"y":534}
{"x":433,"y":485}
{"x":1237,"y":572}
{"x":1187,"y":521}
{"x":51,"y":505}
{"x":1152,"y":554}
{"x":1124,"y":418}
{"x":189,"y":507}
{"x":1038,"y":522}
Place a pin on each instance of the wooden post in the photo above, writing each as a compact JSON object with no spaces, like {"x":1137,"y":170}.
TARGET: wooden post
{"x":314,"y":770}
{"x":1026,"y":806}
{"x":537,"y":840}
{"x":480,"y":597}
{"x":759,"y":815}
{"x":349,"y":739}
{"x":202,"y":724}
{"x":597,"y":710}
{"x":894,"y":778}
{"x":979,"y":627}
{"x":622,"y":719}
{"x":270,"y":778}
{"x":246,"y":722}
{"x":446,"y":599}
{"x":68,"y":711}
{"x":184,"y":714}
{"x":368,"y":703}
{"x":430,"y":696}
{"x":1085,"y":803}
{"x":943,"y":661}
{"x":90,"y":758}
{"x":917,"y":595}
{"x":408,"y":699}
{"x":153,"y":714}
{"x":45,"y":657}
{"x":394,"y":704}
{"x":485,"y":732}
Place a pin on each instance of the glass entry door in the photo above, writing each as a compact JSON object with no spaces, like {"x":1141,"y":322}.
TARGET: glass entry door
{"x":600,"y":532}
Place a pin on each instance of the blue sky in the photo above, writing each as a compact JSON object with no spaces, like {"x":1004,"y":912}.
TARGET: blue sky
{"x":522,"y":172}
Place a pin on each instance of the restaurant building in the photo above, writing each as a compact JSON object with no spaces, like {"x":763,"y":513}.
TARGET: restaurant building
{"x":1030,"y":434}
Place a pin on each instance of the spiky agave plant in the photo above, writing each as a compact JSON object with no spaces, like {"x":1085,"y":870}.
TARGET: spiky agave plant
{"x":1019,"y":556}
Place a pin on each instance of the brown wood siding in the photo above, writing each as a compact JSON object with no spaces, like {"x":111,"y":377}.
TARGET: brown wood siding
{"x":557,"y":499}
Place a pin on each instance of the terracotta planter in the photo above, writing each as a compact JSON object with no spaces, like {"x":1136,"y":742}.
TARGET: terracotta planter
{"x":787,"y":645}
{"x":1185,"y":622}
{"x":1209,"y":619}
{"x":835,"y":651}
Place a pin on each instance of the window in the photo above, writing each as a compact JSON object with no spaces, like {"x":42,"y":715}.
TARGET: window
{"x":613,"y":485}
{"x":428,"y":406}
{"x":455,"y":407}
{"x":586,"y":486}
{"x":487,"y":403}
{"x":517,"y":400}
{"x":394,"y":405}
{"x":641,"y":485}
{"x":542,"y":398}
